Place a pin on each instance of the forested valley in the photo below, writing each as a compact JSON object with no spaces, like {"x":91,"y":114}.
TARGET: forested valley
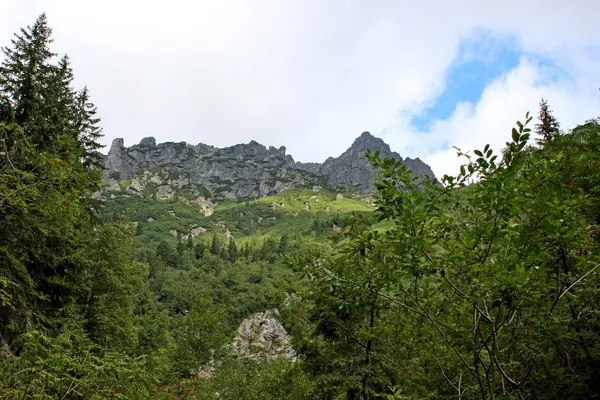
{"x":482,"y":285}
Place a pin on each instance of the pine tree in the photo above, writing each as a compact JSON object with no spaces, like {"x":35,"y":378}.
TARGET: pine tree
{"x":24,"y":79}
{"x":88,"y":128}
{"x":232,"y":250}
{"x":38,"y":95}
{"x":180,"y":246}
{"x":548,"y":127}
{"x":215,"y":245}
{"x":245,"y":252}
{"x":199,"y":250}
{"x":58,"y":121}
{"x":44,"y":188}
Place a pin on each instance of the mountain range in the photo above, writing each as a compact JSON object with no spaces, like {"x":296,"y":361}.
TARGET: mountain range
{"x":241,"y":171}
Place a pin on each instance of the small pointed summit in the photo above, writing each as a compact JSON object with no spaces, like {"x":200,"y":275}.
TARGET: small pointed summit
{"x":117,"y":145}
{"x":149,"y":141}
{"x":365,"y":137}
{"x":367,"y":141}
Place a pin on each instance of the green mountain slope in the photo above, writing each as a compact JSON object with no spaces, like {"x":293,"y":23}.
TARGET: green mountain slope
{"x":291,"y":212}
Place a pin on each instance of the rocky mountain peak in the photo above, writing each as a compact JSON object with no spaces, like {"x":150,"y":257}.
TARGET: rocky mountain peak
{"x":366,"y":141}
{"x":117,"y":145}
{"x":353,"y":170}
{"x":239,"y":171}
{"x":247,"y":170}
{"x":367,"y":137}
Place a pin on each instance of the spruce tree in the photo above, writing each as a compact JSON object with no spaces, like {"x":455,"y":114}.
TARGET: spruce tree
{"x":232,"y":250}
{"x":215,"y":245}
{"x":199,"y":250}
{"x":44,"y":186}
{"x":87,"y":126}
{"x":548,"y":127}
{"x":25,"y":74}
{"x":59,"y":113}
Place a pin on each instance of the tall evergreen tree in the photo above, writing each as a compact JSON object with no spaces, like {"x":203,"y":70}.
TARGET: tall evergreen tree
{"x":215,"y":245}
{"x":44,"y":186}
{"x":87,"y":126}
{"x":548,"y":127}
{"x":199,"y":249}
{"x":232,"y":250}
{"x":58,"y":121}
{"x":24,"y":77}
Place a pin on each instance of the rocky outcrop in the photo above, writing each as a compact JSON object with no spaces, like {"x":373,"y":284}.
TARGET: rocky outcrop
{"x":352,"y":170}
{"x":206,"y":206}
{"x":240,"y":171}
{"x":261,"y":336}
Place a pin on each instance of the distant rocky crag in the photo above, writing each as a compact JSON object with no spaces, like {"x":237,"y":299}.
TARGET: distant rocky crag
{"x":352,"y":169}
{"x":241,"y":171}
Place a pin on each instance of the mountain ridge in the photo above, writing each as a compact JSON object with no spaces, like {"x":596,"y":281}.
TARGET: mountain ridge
{"x":247,"y":170}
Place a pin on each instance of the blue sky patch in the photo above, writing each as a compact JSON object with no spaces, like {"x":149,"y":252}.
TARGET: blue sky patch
{"x":479,"y":61}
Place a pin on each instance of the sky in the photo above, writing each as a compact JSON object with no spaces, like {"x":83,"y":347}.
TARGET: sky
{"x":312,"y":75}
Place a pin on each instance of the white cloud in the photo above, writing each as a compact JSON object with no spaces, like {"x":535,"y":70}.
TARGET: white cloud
{"x":503,"y":102}
{"x":312,"y":75}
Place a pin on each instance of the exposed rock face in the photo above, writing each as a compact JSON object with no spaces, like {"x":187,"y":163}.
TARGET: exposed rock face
{"x":312,"y":167}
{"x":197,"y":231}
{"x":261,"y":335}
{"x":206,"y":206}
{"x":353,"y":170}
{"x":240,"y":171}
{"x":164,"y":192}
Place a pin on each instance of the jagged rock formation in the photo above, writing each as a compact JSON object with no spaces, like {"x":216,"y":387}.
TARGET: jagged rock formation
{"x":240,"y":171}
{"x":260,"y":336}
{"x":353,"y":170}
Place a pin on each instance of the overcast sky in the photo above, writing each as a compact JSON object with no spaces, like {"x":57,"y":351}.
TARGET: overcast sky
{"x":313,"y":75}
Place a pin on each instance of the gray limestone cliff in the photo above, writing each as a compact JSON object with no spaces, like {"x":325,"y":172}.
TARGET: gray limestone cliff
{"x":353,"y":170}
{"x":240,"y":171}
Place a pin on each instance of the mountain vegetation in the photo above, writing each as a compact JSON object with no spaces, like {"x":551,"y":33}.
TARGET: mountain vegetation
{"x":136,"y":275}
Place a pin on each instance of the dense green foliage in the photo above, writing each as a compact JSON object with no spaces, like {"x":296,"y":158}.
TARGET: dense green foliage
{"x":482,"y":286}
{"x":480,"y":291}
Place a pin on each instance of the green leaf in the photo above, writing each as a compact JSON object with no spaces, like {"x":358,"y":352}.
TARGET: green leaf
{"x":515,"y":135}
{"x":479,"y":153}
